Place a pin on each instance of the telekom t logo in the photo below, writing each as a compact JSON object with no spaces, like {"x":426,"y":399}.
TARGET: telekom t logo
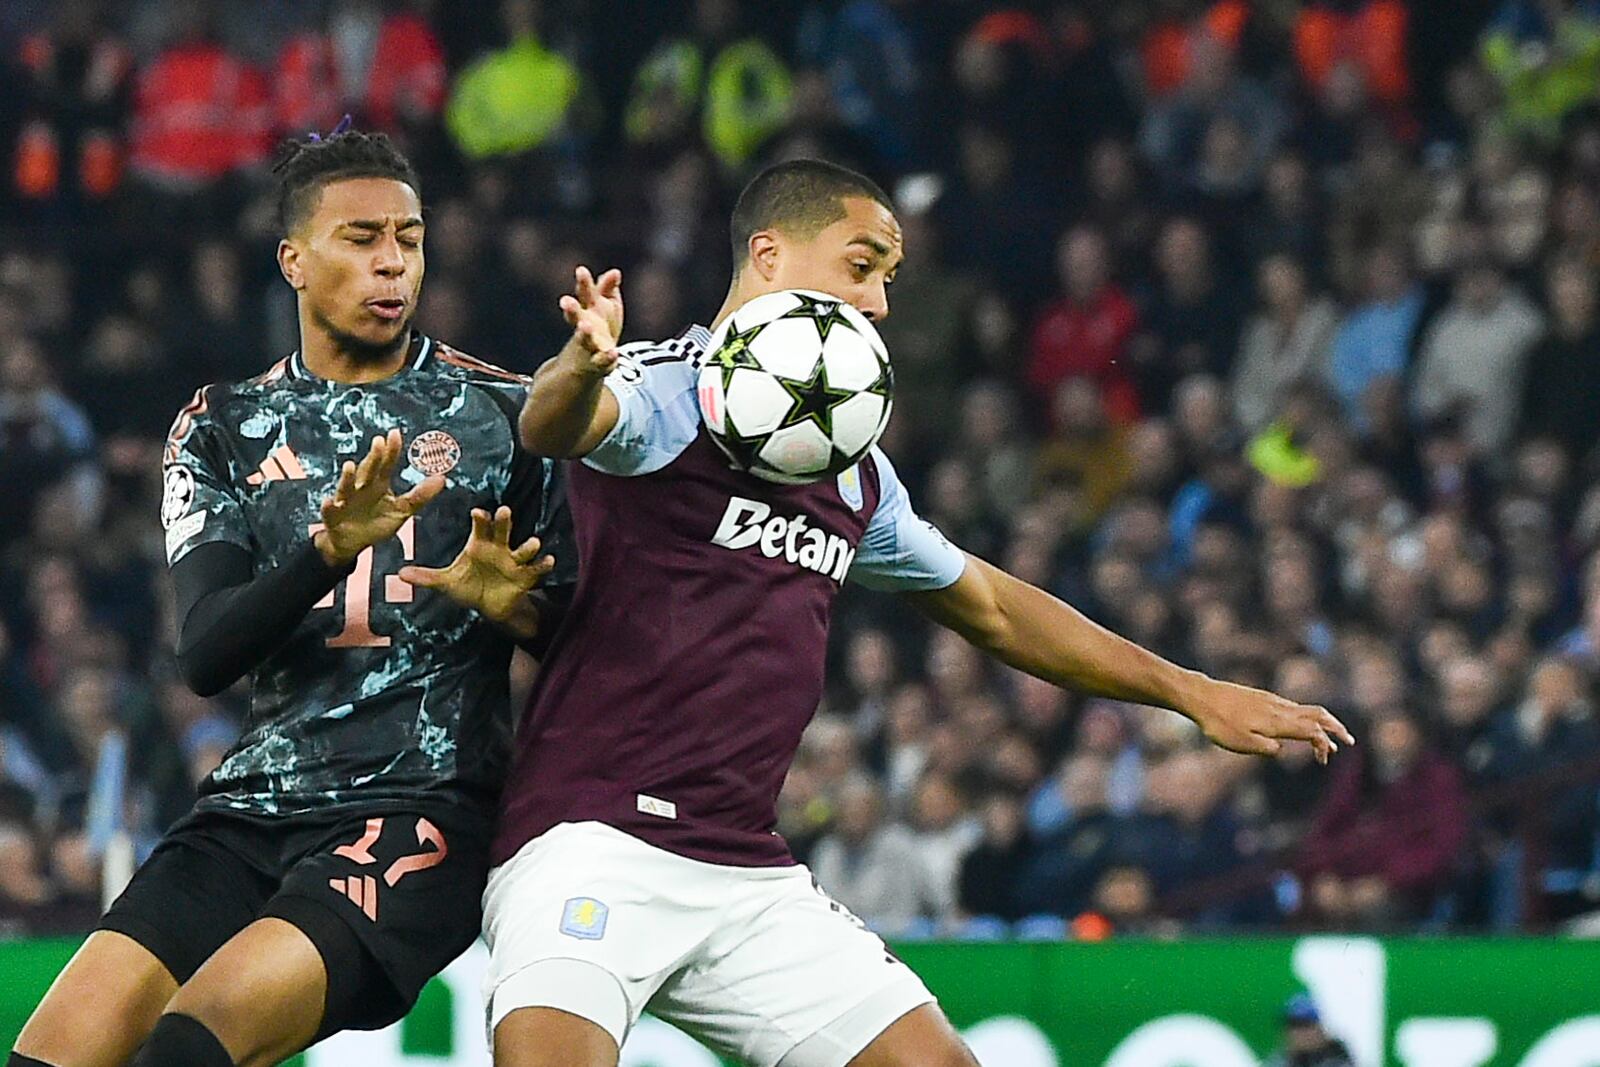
{"x":357,"y":629}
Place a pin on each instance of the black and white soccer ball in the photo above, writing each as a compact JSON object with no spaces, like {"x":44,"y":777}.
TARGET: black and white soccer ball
{"x":796,"y":386}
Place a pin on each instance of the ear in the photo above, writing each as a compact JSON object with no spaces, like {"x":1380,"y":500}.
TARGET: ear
{"x":289,"y":264}
{"x":766,"y":247}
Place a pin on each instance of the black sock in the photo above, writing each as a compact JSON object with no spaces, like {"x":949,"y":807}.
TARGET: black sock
{"x":181,"y":1041}
{"x":17,"y":1059}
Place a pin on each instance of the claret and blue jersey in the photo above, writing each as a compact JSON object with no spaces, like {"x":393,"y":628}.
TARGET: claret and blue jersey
{"x":691,"y":658}
{"x":382,"y":689}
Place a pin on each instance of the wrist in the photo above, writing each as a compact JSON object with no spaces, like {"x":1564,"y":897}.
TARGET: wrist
{"x":1189,"y":692}
{"x":329,"y":553}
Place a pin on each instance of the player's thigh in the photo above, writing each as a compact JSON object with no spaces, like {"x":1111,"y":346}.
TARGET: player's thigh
{"x":790,"y":978}
{"x":589,"y":921}
{"x":922,"y":1037}
{"x":101,"y":1005}
{"x":203,"y":884}
{"x":388,"y":901}
{"x":261,"y":994}
{"x":548,"y":1037}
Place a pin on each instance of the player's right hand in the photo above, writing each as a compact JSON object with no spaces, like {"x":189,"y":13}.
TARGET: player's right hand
{"x":594,"y":312}
{"x":364,"y":509}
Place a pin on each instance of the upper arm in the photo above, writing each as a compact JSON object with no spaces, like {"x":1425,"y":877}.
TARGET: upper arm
{"x":901,"y":551}
{"x":970,"y":605}
{"x":606,"y":414}
{"x":652,"y":389}
{"x":199,"y":503}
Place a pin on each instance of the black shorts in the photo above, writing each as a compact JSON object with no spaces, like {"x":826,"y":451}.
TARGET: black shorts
{"x":388,"y":895}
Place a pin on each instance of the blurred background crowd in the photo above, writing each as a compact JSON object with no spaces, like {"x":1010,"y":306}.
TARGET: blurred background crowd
{"x":1265,"y":333}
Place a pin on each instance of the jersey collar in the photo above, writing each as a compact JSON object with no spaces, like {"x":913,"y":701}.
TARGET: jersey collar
{"x":699,"y":338}
{"x":421,"y":351}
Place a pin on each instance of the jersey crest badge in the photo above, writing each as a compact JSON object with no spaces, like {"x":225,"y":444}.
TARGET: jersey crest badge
{"x":434,"y":452}
{"x":850,"y":487}
{"x":585,"y":919}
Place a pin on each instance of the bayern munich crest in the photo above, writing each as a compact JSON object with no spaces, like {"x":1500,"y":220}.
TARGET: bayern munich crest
{"x":434,"y":452}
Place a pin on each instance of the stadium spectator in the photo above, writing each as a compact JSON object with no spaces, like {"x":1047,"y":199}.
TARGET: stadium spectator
{"x":872,"y":866}
{"x":1375,"y":339}
{"x":1306,"y":1042}
{"x":514,"y":99}
{"x":1561,"y":398}
{"x":200,"y":113}
{"x":1475,"y":353}
{"x":1285,"y":344}
{"x":1086,"y":331}
{"x":387,"y":68}
{"x":1389,"y":832}
{"x":1191,"y":319}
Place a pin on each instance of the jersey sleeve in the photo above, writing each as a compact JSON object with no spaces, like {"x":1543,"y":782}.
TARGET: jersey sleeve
{"x":199,"y":505}
{"x":658,"y":414}
{"x":901,"y":551}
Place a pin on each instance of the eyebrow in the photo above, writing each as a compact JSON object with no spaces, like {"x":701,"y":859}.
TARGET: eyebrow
{"x":379,"y":225}
{"x":872,"y":243}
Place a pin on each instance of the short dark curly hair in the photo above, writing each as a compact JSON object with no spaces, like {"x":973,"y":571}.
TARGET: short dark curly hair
{"x":307,"y":164}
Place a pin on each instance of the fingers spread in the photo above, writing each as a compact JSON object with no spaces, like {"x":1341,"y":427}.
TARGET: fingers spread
{"x":610,"y":281}
{"x":526,"y":551}
{"x":502,"y":526}
{"x":585,"y":286}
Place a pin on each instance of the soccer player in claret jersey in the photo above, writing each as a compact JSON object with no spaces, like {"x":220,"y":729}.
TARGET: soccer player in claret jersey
{"x":636,"y":862}
{"x":336,"y":859}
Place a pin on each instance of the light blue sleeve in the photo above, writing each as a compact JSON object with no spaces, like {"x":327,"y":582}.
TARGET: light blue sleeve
{"x":659,"y":417}
{"x":901,"y":551}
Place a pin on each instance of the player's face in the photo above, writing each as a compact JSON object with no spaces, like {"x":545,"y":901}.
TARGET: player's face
{"x":854,"y":259}
{"x":359,"y":261}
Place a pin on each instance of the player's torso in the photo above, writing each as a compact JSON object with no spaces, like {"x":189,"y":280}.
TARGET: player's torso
{"x":381,"y":686}
{"x":693,"y":654}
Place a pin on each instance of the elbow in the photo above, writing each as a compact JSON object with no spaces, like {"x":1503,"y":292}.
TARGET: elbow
{"x":203,"y":678}
{"x":537,"y":437}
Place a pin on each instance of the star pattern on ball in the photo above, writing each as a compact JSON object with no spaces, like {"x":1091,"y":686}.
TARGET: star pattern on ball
{"x":825,"y":314}
{"x":814,"y":399}
{"x":735,"y":353}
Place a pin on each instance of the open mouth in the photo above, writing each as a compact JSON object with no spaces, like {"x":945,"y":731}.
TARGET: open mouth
{"x":388,"y":307}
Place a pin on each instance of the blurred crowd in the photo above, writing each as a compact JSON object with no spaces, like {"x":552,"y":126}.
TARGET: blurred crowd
{"x":1265,"y":333}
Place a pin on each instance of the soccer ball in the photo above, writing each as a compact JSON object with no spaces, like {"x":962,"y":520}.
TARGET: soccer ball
{"x":796,"y":386}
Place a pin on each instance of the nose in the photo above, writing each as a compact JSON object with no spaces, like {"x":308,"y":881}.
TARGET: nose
{"x":388,"y":262}
{"x":874,"y":304}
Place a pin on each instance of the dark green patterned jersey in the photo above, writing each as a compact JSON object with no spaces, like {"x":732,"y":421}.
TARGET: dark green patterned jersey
{"x":382,"y":689}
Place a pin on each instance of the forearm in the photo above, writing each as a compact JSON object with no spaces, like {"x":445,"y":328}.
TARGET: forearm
{"x":562,"y":405}
{"x":230,"y":621}
{"x":1035,"y":632}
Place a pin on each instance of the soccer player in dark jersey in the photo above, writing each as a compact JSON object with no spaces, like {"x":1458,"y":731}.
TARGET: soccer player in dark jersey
{"x":336,"y":858}
{"x":636,"y":861}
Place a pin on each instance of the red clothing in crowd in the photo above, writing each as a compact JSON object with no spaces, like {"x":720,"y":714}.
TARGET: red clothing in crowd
{"x":1073,"y":339}
{"x":1372,"y":37}
{"x":1164,"y":52}
{"x":199,"y":114}
{"x":1408,"y":833}
{"x":405,"y":78}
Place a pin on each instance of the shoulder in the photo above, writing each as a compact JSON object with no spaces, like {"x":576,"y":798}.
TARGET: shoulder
{"x":450,"y":362}
{"x":506,"y":389}
{"x":660,"y":369}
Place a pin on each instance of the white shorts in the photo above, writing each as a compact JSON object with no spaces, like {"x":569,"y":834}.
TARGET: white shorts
{"x":756,"y":962}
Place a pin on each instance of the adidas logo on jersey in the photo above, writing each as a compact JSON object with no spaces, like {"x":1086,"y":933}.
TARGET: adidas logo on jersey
{"x":750,"y":523}
{"x":282,"y":465}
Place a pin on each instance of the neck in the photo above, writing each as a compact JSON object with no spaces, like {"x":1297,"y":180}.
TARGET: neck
{"x":737,"y":297}
{"x":335,"y":359}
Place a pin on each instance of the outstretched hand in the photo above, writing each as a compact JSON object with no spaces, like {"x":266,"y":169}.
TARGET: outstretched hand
{"x":364,"y":509}
{"x":488,"y":575}
{"x":1255,"y":722}
{"x":594,"y":311}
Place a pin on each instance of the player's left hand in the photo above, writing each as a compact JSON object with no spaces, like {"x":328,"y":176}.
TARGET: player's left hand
{"x":489,"y":575}
{"x":1255,"y":722}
